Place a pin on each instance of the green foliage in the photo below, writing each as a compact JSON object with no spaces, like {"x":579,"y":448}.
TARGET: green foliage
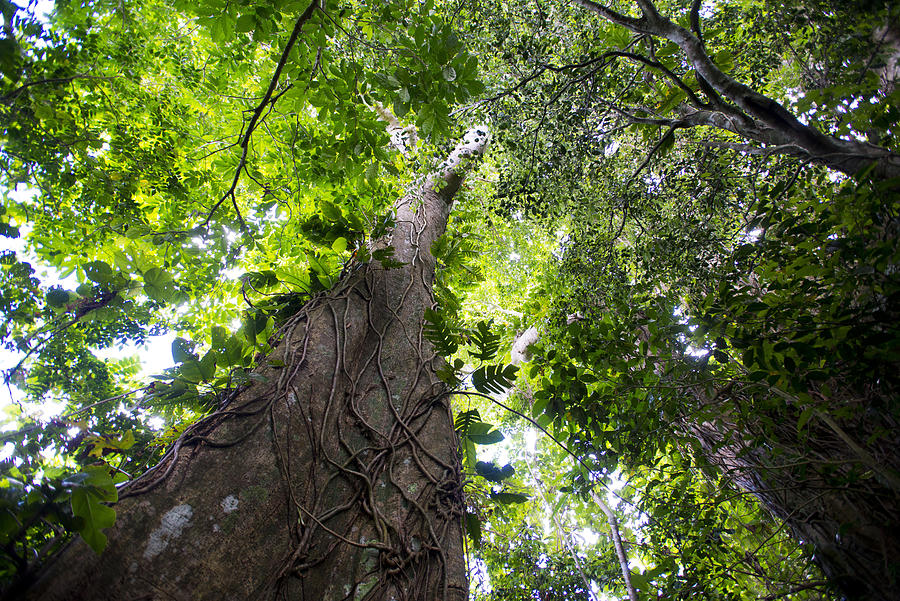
{"x":492,"y":473}
{"x":440,"y":333}
{"x":494,"y":378}
{"x":90,"y":490}
{"x":486,"y":342}
{"x":521,"y":566}
{"x":691,"y":300}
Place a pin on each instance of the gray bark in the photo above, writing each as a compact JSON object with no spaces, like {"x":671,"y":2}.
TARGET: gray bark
{"x":735,"y":107}
{"x":335,"y":478}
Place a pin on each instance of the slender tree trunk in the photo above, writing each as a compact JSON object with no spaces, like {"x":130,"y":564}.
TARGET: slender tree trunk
{"x":335,"y":477}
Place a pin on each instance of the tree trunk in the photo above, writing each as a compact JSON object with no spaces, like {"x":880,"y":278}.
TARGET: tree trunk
{"x":834,"y":494}
{"x":333,"y":476}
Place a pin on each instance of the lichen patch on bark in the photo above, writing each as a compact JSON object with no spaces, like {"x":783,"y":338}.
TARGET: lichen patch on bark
{"x":230,"y":503}
{"x":171,"y":526}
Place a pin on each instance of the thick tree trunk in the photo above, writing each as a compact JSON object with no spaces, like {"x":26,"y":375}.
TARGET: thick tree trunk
{"x":335,"y":478}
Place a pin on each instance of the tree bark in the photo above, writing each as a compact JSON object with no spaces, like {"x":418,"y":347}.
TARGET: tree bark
{"x":334,"y":475}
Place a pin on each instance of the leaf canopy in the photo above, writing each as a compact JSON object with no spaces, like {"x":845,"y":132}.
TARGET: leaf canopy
{"x":709,"y":296}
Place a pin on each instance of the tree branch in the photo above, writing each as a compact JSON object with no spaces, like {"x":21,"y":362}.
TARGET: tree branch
{"x":617,"y":543}
{"x":611,"y":15}
{"x":695,"y":19}
{"x":665,"y":70}
{"x":258,"y":111}
{"x":451,"y":172}
{"x":767,"y":118}
{"x":12,"y":95}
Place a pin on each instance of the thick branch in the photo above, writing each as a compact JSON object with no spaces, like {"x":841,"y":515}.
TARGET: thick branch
{"x":452,"y":171}
{"x":695,"y":19}
{"x":611,"y":15}
{"x":770,"y":119}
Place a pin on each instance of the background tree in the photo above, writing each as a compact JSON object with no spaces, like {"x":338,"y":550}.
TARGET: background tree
{"x":647,"y":245}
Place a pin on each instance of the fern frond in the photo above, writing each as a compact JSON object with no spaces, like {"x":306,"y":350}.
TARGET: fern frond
{"x":494,"y":378}
{"x":487,"y":342}
{"x":440,"y":333}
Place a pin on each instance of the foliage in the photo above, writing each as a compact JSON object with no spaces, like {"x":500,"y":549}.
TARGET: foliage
{"x":203,"y":169}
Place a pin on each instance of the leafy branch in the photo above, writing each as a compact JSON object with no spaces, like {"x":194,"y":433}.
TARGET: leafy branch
{"x":257,"y":114}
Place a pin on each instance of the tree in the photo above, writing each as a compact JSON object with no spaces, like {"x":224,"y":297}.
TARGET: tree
{"x":336,"y":456}
{"x":711,"y":272}
{"x":334,"y":473}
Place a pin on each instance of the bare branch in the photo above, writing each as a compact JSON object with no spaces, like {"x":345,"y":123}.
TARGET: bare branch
{"x":617,"y":543}
{"x":666,"y":137}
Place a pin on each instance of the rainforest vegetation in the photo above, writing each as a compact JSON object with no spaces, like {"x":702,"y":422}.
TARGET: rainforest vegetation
{"x":450,"y":299}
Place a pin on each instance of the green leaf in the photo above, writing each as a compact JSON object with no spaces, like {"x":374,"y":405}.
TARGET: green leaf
{"x":218,"y":335}
{"x":260,"y":280}
{"x":339,"y":245}
{"x":440,"y":333}
{"x":804,"y":417}
{"x":98,"y":272}
{"x":58,"y":298}
{"x":330,"y":211}
{"x":94,"y":518}
{"x":245,"y":23}
{"x":473,"y":528}
{"x":539,"y":405}
{"x":487,"y":343}
{"x":725,"y":60}
{"x":483,"y":434}
{"x":191,"y":371}
{"x":182,"y":350}
{"x":465,"y":419}
{"x":90,"y":489}
{"x":490,"y":472}
{"x":494,"y":378}
{"x":507,"y":498}
{"x":159,"y":285}
{"x":469,"y":453}
{"x":208,"y":365}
